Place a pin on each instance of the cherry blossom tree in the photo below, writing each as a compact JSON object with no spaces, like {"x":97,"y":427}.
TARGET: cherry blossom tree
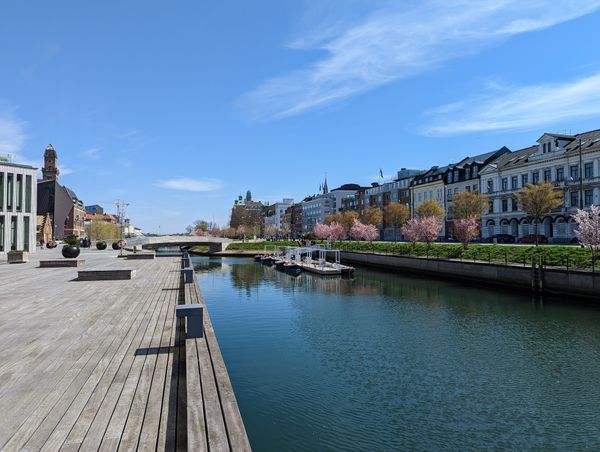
{"x":412,"y":230}
{"x":337,"y":231}
{"x":430,"y":228}
{"x":588,"y":229}
{"x":322,"y":231}
{"x":360,"y":231}
{"x":199,"y":233}
{"x":465,"y":229}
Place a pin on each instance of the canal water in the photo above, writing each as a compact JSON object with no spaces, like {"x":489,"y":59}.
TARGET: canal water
{"x":390,"y":362}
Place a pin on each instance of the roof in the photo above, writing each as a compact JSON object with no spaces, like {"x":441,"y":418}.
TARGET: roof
{"x":515,"y":158}
{"x":589,"y":141}
{"x":481,"y":158}
{"x":17,"y":165}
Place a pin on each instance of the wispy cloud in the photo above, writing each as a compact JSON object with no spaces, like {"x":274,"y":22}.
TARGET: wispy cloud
{"x":12,"y":134}
{"x":65,"y":170}
{"x":397,"y":41}
{"x":92,"y":153}
{"x":198,"y":185}
{"x":519,"y":108}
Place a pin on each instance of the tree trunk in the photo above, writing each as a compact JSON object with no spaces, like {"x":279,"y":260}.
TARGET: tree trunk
{"x":535,"y":230}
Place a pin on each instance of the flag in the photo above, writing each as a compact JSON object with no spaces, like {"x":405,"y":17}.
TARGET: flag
{"x":380,"y":173}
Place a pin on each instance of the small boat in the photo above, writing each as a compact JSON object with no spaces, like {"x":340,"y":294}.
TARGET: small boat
{"x":279,"y":264}
{"x":267,"y":260}
{"x":257,"y":258}
{"x":291,"y":268}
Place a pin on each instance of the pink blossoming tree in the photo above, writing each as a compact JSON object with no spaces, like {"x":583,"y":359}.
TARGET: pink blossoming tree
{"x":322,"y":231}
{"x":360,"y":231}
{"x":199,"y":233}
{"x":430,"y":228}
{"x":412,"y":231}
{"x":466,"y":229}
{"x":588,"y":229}
{"x":337,"y":231}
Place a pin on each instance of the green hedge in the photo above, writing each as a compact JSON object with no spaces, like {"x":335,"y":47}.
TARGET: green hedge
{"x":555,"y":256}
{"x":260,"y":246}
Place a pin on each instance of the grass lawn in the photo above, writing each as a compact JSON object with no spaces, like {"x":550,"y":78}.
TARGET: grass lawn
{"x":260,"y":246}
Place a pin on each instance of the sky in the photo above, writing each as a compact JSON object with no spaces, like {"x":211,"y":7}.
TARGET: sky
{"x":179,"y":107}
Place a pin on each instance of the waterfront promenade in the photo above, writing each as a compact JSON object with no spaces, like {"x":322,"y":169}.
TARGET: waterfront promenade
{"x":90,"y":365}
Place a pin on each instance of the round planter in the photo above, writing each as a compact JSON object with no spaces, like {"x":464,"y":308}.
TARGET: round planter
{"x":70,"y":252}
{"x":115,"y":246}
{"x":101,"y":245}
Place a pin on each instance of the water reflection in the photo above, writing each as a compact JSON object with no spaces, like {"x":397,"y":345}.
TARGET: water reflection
{"x":388,"y":362}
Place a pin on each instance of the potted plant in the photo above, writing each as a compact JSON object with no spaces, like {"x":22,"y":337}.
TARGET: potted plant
{"x":101,"y":245}
{"x":115,"y":246}
{"x":71,"y":249}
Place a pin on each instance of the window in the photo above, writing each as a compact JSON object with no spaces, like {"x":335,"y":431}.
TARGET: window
{"x":514,"y":181}
{"x":588,"y":169}
{"x":515,"y":204}
{"x":524,"y":180}
{"x":574,"y":199}
{"x":475,"y":189}
{"x":505,"y":205}
{"x":449,"y":177}
{"x":574,"y":172}
{"x":9,"y":191}
{"x":1,"y":232}
{"x":491,"y":206}
{"x":490,"y":185}
{"x":504,"y":183}
{"x":13,"y":233}
{"x":1,"y":193}
{"x":26,"y":233}
{"x":535,"y":177}
{"x":19,"y":192}
{"x":468,"y":188}
{"x":474,"y":171}
{"x":467,"y":173}
{"x":560,"y":174}
{"x":449,"y":195}
{"x":589,"y":197}
{"x":544,"y":148}
{"x":547,"y":175}
{"x":28,"y":193}
{"x":456,"y":175}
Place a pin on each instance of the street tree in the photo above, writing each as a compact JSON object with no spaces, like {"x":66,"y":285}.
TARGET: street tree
{"x":361,"y":231}
{"x":536,"y":200}
{"x":411,"y":230}
{"x":430,"y":208}
{"x":430,"y":228}
{"x":588,"y":229}
{"x":466,"y":229}
{"x":469,"y":205}
{"x":372,"y":215}
{"x":395,"y":214}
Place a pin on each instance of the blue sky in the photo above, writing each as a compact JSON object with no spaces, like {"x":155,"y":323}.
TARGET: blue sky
{"x":179,"y":108}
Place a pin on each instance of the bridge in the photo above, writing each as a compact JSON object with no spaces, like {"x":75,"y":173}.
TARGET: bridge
{"x":215,"y":244}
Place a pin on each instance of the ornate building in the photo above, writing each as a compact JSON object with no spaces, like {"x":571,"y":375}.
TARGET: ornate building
{"x":65,"y":209}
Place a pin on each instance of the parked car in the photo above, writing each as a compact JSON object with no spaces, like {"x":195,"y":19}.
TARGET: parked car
{"x":502,"y":238}
{"x":531,"y":239}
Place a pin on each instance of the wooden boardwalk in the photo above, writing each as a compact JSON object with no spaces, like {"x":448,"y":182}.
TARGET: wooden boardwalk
{"x":105,"y":365}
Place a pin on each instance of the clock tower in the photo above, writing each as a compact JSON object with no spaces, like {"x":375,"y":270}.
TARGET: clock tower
{"x":50,"y":170}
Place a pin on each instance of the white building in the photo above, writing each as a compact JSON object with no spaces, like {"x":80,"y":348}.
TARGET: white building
{"x":316,"y":208}
{"x":570,"y":162}
{"x":276,"y":213}
{"x":18,"y":206}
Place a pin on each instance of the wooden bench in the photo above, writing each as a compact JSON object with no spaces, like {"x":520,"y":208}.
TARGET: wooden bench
{"x":140,"y":256}
{"x":62,"y":263}
{"x":105,"y":275}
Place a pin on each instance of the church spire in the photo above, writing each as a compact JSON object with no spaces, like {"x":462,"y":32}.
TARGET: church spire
{"x":50,"y":170}
{"x":325,"y":187}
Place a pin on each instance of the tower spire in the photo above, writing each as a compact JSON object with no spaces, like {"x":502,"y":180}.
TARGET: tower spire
{"x":50,"y":170}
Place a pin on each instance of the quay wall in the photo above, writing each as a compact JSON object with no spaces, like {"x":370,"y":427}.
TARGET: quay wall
{"x":572,"y":283}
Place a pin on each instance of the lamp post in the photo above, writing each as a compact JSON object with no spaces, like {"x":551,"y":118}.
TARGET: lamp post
{"x":580,"y":177}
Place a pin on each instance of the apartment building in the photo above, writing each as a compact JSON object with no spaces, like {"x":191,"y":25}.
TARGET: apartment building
{"x":18,"y":207}
{"x":570,"y":162}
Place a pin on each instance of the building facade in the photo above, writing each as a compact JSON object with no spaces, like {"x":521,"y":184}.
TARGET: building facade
{"x":65,"y":209}
{"x":316,"y":208}
{"x":429,"y":186}
{"x":275,"y":214}
{"x":18,"y":220}
{"x":570,"y":162}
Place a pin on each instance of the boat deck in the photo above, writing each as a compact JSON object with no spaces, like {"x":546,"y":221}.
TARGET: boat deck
{"x":104,"y":365}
